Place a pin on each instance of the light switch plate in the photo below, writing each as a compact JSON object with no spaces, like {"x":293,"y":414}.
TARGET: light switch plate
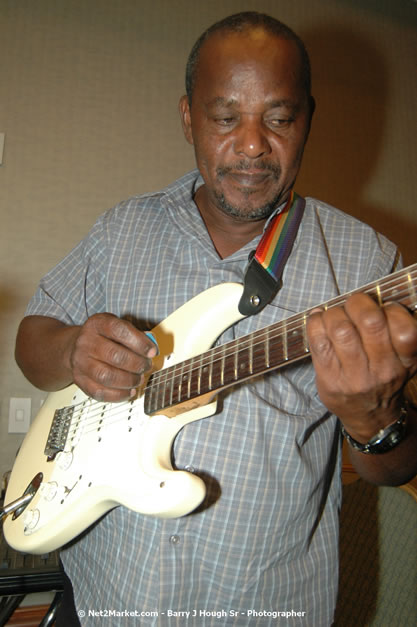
{"x":19,"y":415}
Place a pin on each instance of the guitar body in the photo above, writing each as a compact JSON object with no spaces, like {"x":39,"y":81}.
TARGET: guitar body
{"x":115,"y":454}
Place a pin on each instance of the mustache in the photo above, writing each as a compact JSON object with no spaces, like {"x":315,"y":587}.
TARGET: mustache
{"x":242,"y":166}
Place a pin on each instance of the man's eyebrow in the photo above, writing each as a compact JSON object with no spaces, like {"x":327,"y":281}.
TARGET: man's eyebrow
{"x":220,"y":101}
{"x":282,"y":102}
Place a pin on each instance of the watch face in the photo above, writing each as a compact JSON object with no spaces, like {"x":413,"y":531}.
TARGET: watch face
{"x":385,"y":440}
{"x":391,"y":436}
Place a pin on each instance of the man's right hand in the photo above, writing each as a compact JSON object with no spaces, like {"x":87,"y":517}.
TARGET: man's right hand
{"x":106,"y":357}
{"x":109,"y":357}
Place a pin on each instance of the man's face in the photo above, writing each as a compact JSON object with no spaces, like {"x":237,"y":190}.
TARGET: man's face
{"x":248,"y":122}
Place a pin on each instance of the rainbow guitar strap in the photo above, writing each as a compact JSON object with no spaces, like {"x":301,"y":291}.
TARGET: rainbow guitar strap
{"x":266,"y":263}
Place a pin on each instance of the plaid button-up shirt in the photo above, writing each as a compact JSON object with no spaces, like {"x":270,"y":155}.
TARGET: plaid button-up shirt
{"x":264,"y":549}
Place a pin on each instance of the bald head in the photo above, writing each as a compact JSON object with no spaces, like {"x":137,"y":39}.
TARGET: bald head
{"x":244,"y":23}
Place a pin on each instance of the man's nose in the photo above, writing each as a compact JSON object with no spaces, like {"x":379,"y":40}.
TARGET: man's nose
{"x":251,"y":139}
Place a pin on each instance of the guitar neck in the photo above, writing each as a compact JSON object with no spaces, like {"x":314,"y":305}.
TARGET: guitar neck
{"x":262,"y":351}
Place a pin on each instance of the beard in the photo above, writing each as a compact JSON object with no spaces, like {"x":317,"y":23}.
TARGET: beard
{"x":247,"y":210}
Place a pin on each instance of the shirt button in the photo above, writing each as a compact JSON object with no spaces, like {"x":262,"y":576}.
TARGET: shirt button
{"x":190,"y":468}
{"x":174,"y":539}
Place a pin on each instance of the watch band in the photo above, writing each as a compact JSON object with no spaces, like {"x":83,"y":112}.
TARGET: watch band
{"x":385,"y":440}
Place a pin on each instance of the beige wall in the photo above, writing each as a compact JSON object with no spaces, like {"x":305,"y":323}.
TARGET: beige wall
{"x":88,"y":102}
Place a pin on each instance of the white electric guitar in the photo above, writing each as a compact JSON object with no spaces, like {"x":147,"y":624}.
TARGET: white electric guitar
{"x":81,"y":457}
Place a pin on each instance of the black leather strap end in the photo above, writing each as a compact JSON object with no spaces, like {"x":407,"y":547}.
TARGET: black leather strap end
{"x":259,"y":289}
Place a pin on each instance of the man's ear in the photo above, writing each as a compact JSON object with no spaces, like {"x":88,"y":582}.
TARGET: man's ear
{"x":185,"y":114}
{"x":312,"y":107}
{"x":312,"y":104}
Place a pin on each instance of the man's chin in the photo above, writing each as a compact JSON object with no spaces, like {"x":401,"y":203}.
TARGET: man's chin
{"x":246,"y":209}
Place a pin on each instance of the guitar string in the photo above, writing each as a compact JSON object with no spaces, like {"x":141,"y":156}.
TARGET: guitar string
{"x":115,"y":411}
{"x":100,"y":412}
{"x":289,"y":325}
{"x":303,"y":315}
{"x":102,"y":409}
{"x":83,"y":425}
{"x":98,"y":409}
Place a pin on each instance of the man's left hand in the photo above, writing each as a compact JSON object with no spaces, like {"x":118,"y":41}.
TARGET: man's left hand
{"x":363,"y":356}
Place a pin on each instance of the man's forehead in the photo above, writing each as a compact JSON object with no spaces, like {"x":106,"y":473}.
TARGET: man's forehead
{"x":252,"y":37}
{"x":248,"y":58}
{"x":224,"y":50}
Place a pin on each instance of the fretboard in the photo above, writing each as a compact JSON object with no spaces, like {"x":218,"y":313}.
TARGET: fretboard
{"x":262,"y":351}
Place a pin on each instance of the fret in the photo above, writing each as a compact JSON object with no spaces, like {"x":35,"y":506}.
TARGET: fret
{"x":182,"y":391}
{"x":230,"y":362}
{"x":166,"y":385}
{"x":210,"y":382}
{"x":219,"y":368}
{"x":204,"y":378}
{"x":158,"y":390}
{"x":412,"y":291}
{"x":243,"y":365}
{"x":378,"y":295}
{"x":285,"y":340}
{"x":199,"y":370}
{"x":186,"y":379}
{"x":293,"y":342}
{"x":173,"y":385}
{"x":267,"y":362}
{"x":217,"y":374}
{"x":250,"y":356}
{"x":153,"y":388}
{"x":152,"y":400}
{"x":222,"y":365}
{"x":184,"y":384}
{"x":305,"y":340}
{"x":189,"y":378}
{"x":170,"y":388}
{"x":159,"y":393}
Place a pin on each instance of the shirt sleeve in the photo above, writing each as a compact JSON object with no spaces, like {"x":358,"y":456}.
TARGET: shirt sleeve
{"x":75,"y":288}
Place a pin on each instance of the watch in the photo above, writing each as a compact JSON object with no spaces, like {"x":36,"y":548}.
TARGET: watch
{"x":386,"y":439}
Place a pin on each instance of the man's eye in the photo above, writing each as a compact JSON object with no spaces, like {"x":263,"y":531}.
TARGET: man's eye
{"x":225,"y":121}
{"x":279,"y":122}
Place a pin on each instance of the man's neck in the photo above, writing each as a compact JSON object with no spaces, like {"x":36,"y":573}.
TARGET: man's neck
{"x":228,"y":234}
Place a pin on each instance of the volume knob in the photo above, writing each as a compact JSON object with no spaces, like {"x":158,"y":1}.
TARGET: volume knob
{"x":31,"y":519}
